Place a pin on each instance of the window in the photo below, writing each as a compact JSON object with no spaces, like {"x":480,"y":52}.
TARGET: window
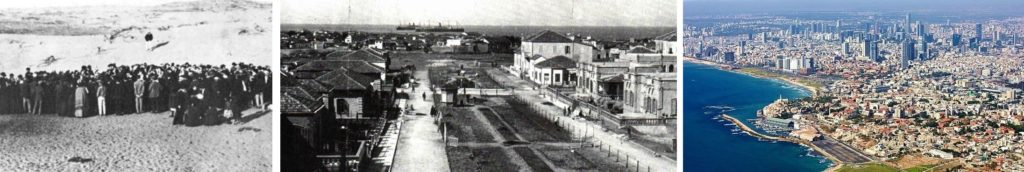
{"x":567,"y":50}
{"x":558,"y":77}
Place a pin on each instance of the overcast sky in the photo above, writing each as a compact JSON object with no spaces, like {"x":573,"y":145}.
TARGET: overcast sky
{"x":482,"y":12}
{"x":702,"y":7}
{"x":68,"y":3}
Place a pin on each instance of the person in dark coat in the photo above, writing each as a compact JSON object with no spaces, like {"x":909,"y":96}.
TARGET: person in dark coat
{"x":155,"y":91}
{"x":194,"y":113}
{"x":176,"y":100}
{"x":37,"y":97}
{"x":26,"y":96}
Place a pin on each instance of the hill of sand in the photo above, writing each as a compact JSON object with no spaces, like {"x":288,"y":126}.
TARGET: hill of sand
{"x":203,"y":32}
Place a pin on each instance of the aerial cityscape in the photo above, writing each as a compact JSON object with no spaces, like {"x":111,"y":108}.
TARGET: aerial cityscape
{"x":847,"y":86}
{"x":481,"y":86}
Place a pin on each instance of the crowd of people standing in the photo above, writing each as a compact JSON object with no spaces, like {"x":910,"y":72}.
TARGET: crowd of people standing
{"x":193,"y":94}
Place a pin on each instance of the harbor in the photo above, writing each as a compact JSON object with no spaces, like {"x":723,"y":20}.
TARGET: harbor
{"x":831,"y":149}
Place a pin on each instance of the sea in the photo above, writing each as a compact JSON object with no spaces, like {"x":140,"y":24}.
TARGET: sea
{"x":597,"y":32}
{"x":711,"y":145}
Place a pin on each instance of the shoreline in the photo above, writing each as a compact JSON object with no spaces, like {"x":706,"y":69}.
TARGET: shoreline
{"x":785,"y":79}
{"x":835,"y":164}
{"x":749,"y":131}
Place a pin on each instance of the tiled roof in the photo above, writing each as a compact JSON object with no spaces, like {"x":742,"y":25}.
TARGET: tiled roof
{"x":312,"y":86}
{"x":547,"y":36}
{"x":367,"y":55}
{"x":350,"y":65}
{"x":557,"y":62}
{"x":296,"y":100}
{"x":339,"y":80}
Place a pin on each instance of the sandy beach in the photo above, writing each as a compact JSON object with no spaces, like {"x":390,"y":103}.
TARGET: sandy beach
{"x":136,"y":142}
{"x":787,"y":80}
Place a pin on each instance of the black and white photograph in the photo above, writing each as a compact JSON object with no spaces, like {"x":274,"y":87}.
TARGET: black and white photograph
{"x":486,"y":85}
{"x":125,"y":85}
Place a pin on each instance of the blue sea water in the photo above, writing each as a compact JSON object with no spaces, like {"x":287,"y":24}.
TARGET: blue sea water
{"x":709,"y":145}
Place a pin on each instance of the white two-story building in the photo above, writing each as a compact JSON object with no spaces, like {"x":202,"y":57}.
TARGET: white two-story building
{"x":549,"y":58}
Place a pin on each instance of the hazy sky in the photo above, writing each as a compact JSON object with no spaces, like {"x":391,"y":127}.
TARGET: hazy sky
{"x":66,"y":3}
{"x":701,"y":7}
{"x":482,"y":12}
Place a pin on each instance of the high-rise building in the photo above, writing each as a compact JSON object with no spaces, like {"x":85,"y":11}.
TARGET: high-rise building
{"x":743,"y":47}
{"x":866,"y":48}
{"x":955,"y":39}
{"x":921,"y":29}
{"x":977,"y":31}
{"x":908,"y":53}
{"x":846,"y":48}
{"x":729,"y":57}
{"x":923,"y":54}
{"x":907,"y":24}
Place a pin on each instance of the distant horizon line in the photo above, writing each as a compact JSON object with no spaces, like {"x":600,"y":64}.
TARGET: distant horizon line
{"x":666,"y":26}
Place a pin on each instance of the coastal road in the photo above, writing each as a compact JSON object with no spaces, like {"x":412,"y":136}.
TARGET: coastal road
{"x":420,"y":146}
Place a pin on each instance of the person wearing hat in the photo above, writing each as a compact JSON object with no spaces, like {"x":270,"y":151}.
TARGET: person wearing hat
{"x":140,"y":90}
{"x":101,"y":98}
{"x":80,"y":95}
{"x":176,"y":100}
{"x":37,"y":97}
{"x":154,"y":95}
{"x":194,"y":113}
{"x":26,"y":94}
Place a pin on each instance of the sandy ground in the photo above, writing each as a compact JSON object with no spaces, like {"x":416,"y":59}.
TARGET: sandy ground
{"x":912,"y":160}
{"x":204,"y":37}
{"x":608,"y":138}
{"x":138,"y":142}
{"x":420,"y":146}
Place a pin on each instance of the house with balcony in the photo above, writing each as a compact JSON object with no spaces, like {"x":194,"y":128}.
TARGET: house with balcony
{"x":549,"y":58}
{"x":650,"y":94}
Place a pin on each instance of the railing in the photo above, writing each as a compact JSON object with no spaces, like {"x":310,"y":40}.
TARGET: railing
{"x":647,"y":121}
{"x":487,"y":91}
{"x":594,"y":111}
{"x":360,"y":121}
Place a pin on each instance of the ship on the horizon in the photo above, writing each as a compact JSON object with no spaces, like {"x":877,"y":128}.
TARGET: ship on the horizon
{"x":410,"y":26}
{"x":439,"y":28}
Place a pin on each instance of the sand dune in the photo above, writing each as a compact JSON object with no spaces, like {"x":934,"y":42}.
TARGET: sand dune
{"x":205,"y":32}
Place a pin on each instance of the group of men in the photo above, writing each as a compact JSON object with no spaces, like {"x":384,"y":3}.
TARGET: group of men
{"x":194,"y":94}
